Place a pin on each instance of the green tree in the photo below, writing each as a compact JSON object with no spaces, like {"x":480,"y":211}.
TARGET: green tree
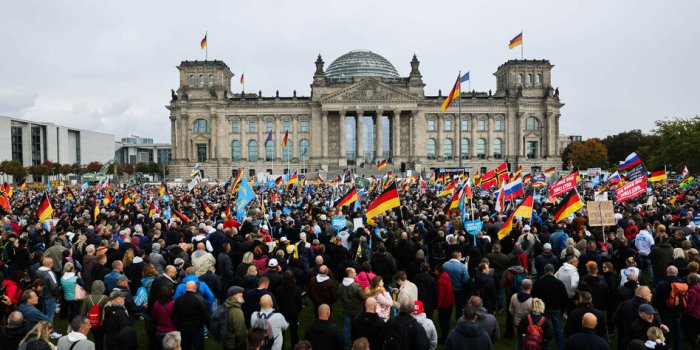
{"x":39,"y":170}
{"x":621,"y":145}
{"x":586,"y":154}
{"x":13,"y":168}
{"x":679,"y":141}
{"x":142,"y":167}
{"x":93,"y":167}
{"x":153,"y":168}
{"x":65,"y":169}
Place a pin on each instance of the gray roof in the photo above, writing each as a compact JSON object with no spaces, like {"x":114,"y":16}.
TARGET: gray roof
{"x":361,"y":63}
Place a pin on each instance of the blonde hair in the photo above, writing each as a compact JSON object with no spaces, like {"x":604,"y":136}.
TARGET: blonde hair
{"x":655,"y":334}
{"x":90,"y":249}
{"x":678,"y":253}
{"x":248,"y":258}
{"x":128,"y":257}
{"x":68,"y":267}
{"x":537,"y":306}
{"x":40,"y":331}
{"x":252,"y":270}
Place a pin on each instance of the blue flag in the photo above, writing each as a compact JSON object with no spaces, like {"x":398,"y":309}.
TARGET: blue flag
{"x":245,"y":196}
{"x":166,"y":213}
{"x":269,"y":138}
{"x":464,"y":78}
{"x":84,"y":187}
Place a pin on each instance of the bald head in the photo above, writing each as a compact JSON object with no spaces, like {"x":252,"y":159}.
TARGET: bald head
{"x":371,"y":305}
{"x":318,"y":260}
{"x":16,"y":318}
{"x":266,"y":301}
{"x":191,"y":286}
{"x":200,"y":246}
{"x":323,"y":270}
{"x":589,"y":321}
{"x":324,"y":312}
{"x":671,"y":271}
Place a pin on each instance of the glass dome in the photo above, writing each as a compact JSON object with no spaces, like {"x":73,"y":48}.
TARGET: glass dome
{"x":361,"y":63}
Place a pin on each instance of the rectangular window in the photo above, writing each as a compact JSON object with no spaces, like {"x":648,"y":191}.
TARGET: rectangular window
{"x":482,"y":124}
{"x":163,"y":156}
{"x":252,"y":126}
{"x":268,"y":126}
{"x":531,"y":149}
{"x":285,"y":125}
{"x":498,"y":125}
{"x":17,"y":144}
{"x":201,"y":152}
{"x":465,"y":124}
{"x":36,"y":145}
{"x":304,"y":126}
{"x":431,"y":125}
{"x":235,"y":126}
{"x":448,"y":124}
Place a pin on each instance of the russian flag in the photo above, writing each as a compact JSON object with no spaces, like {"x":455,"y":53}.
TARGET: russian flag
{"x":514,"y":190}
{"x":614,"y":178}
{"x":631,"y":160}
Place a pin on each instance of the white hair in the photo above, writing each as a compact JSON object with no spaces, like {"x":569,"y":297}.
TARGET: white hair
{"x":171,"y":341}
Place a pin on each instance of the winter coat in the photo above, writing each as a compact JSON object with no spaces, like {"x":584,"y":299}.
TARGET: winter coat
{"x":467,"y":335}
{"x":289,"y":299}
{"x":36,"y":343}
{"x":202,"y":289}
{"x":429,"y":327}
{"x":162,"y":314}
{"x":88,"y":264}
{"x":552,"y":292}
{"x":368,"y":325}
{"x":322,"y":290}
{"x":485,"y":287}
{"x":520,"y":306}
{"x":488,"y":323}
{"x":68,"y":282}
{"x":364,"y":279}
{"x":191,"y":312}
{"x":115,"y":319}
{"x":417,"y":339}
{"x":31,"y":314}
{"x":235,"y":326}
{"x":692,"y":308}
{"x":352,"y":297}
{"x":11,"y":336}
{"x":51,"y":283}
{"x":459,"y":276}
{"x":568,"y":274}
{"x":383,"y":265}
{"x":661,"y":255}
{"x":202,"y":261}
{"x":323,"y":335}
{"x":573,"y":325}
{"x":79,"y":339}
{"x":427,"y":290}
{"x":546,"y":326}
{"x":276,"y":321}
{"x":586,"y":340}
{"x":13,"y":292}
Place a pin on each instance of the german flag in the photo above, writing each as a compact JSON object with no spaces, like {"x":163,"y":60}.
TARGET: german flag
{"x":205,"y":208}
{"x":69,"y":193}
{"x":203,"y":43}
{"x":228,"y":209}
{"x":518,"y":40}
{"x":454,"y":203}
{"x":346,"y":199}
{"x":95,"y":211}
{"x":477,"y":179}
{"x":449,"y":189}
{"x":285,"y":139}
{"x":292,"y":180}
{"x":524,"y":210}
{"x":163,"y":189}
{"x":658,"y":176}
{"x":319,"y":179}
{"x":152,"y":209}
{"x":5,"y":203}
{"x":108,"y":199}
{"x":676,"y":198}
{"x":388,"y":200}
{"x":22,"y":184}
{"x":549,"y":172}
{"x":569,"y":205}
{"x":7,"y":189}
{"x":182,"y":217}
{"x":526,"y":179}
{"x":279,"y":181}
{"x":126,"y":200}
{"x":45,"y":211}
{"x":235,"y":185}
{"x":453,"y":95}
{"x":381,"y":165}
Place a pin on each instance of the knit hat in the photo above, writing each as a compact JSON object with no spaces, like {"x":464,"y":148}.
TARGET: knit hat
{"x":418,"y":308}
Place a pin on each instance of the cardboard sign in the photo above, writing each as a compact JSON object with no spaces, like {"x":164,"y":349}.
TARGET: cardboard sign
{"x":601,"y":213}
{"x":564,"y":185}
{"x":339,"y":223}
{"x":631,"y":189}
{"x":357,"y":223}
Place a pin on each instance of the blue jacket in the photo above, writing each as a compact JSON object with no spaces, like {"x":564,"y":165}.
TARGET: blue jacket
{"x":204,"y":290}
{"x":110,"y":281}
{"x":458,"y":274}
{"x":32,"y":315}
{"x":558,"y":241}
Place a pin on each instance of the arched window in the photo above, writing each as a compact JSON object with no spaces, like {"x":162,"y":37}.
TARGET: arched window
{"x":529,"y":79}
{"x":538,"y":79}
{"x":253,"y":151}
{"x":498,"y":148}
{"x":532,"y":124}
{"x":304,"y":150}
{"x":193,"y":80}
{"x":201,"y":80}
{"x":430,"y":148}
{"x":481,"y":149}
{"x":287,"y":151}
{"x":201,"y":126}
{"x":236,"y":150}
{"x":303,"y":125}
{"x":520,"y":79}
{"x":211,"y":80}
{"x":465,"y":149}
{"x":269,"y":151}
{"x":447,"y":149}
{"x":482,"y":124}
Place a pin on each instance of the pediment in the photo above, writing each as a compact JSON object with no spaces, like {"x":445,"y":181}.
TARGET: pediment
{"x":369,"y":90}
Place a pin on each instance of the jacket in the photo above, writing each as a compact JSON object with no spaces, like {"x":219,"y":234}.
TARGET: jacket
{"x":488,"y":323}
{"x":485,"y":287}
{"x":276,"y":321}
{"x":573,"y":325}
{"x":542,"y":260}
{"x":663,"y":290}
{"x":429,"y":328}
{"x":364,"y":279}
{"x":13,"y":292}
{"x":79,"y":339}
{"x":407,"y":291}
{"x":661,"y":255}
{"x":692,"y":308}
{"x":202,"y":261}
{"x":322,"y":290}
{"x":289,"y":299}
{"x":467,"y":335}
{"x":520,"y":306}
{"x":525,"y":322}
{"x":116,"y":318}
{"x":427,"y":290}
{"x":352,"y":297}
{"x":51,"y":282}
{"x":417,"y":339}
{"x":368,"y":325}
{"x":32,"y":315}
{"x":190,"y":312}
{"x":11,"y":336}
{"x":586,"y":340}
{"x":568,"y":274}
{"x":235,"y":326}
{"x":552,"y":292}
{"x":96,"y":296}
{"x":162,"y":315}
{"x":36,"y":343}
{"x":459,"y":276}
{"x":68,"y":282}
{"x":323,"y":334}
{"x":110,"y":281}
{"x":203,"y":290}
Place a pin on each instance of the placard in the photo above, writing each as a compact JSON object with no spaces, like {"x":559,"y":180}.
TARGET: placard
{"x":601,"y":213}
{"x":339,"y":223}
{"x":357,"y":223}
{"x":474,"y":226}
{"x":637,"y":172}
{"x":564,"y":185}
{"x":631,"y":189}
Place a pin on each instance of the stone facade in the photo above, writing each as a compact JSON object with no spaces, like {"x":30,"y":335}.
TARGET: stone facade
{"x":224,"y":131}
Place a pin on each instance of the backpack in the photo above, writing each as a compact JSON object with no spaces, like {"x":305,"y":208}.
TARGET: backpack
{"x":397,"y":336}
{"x":534,"y":334}
{"x":263,"y":322}
{"x":518,"y":281}
{"x":678,"y":297}
{"x":95,"y":313}
{"x":219,"y":324}
{"x":141,"y":297}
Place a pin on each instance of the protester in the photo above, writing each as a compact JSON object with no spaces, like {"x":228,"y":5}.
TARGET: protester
{"x":77,"y":338}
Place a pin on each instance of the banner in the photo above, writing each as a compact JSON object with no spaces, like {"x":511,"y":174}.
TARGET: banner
{"x":631,"y":189}
{"x":563,"y":186}
{"x":636,"y":172}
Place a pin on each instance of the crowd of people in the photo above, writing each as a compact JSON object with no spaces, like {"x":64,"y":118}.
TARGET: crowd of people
{"x":411,"y":278}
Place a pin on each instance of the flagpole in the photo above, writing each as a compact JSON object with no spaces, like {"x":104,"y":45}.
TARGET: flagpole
{"x":522,"y":46}
{"x":459,"y":121}
{"x":206,"y":47}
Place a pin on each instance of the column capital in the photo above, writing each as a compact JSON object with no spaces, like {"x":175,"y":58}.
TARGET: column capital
{"x":324,"y":113}
{"x":342,"y":113}
{"x":397,"y":112}
{"x":379,"y":112}
{"x":360,"y":112}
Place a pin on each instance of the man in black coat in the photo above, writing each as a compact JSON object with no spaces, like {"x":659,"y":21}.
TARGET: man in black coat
{"x":415,"y":336}
{"x":627,"y":311}
{"x":369,"y":325}
{"x":553,"y":293}
{"x":427,"y":289}
{"x":116,"y":319}
{"x":584,"y":305}
{"x":467,"y":334}
{"x":485,"y":287}
{"x":586,"y":338}
{"x":14,"y":331}
{"x":670,"y":315}
{"x":322,"y":332}
{"x":191,"y":315}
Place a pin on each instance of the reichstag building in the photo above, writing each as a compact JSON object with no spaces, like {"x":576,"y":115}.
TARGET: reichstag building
{"x":361,"y":111}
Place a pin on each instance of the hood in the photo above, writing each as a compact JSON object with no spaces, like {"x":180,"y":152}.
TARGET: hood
{"x":522,"y":296}
{"x":468,"y":329}
{"x":44,"y":268}
{"x":137,"y":260}
{"x":190,"y":278}
{"x":322,"y":278}
{"x":68,"y":275}
{"x":650,"y":344}
{"x":232,"y":302}
{"x":347,"y":281}
{"x":568,"y":267}
{"x":20,"y":330}
{"x":420,"y":318}
{"x":631,"y":284}
{"x":6,"y":283}
{"x":75,"y":336}
{"x":98,"y":287}
{"x":198,"y":254}
{"x":444,"y":276}
{"x":146,"y":281}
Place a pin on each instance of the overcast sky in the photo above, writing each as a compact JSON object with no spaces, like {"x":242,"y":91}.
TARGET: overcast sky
{"x":109,"y":66}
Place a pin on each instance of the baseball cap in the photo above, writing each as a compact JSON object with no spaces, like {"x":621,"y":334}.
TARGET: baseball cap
{"x":647,"y":309}
{"x":549,"y":268}
{"x":123,"y":278}
{"x":273,"y":263}
{"x":526,"y":228}
{"x":547,"y":246}
{"x":283,"y":240}
{"x":116,"y":293}
{"x":693,"y":251}
{"x":234,"y":290}
{"x":418,"y":308}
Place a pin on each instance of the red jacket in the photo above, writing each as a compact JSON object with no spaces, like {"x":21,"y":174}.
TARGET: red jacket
{"x":445,"y":294}
{"x":13,"y":291}
{"x":631,"y":232}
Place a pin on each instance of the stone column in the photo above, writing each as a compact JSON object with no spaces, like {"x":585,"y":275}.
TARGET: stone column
{"x":214,"y":138}
{"x":378,"y":148}
{"x":438,"y":142}
{"x":173,"y":137}
{"x":472,"y":126}
{"x":244,"y":137}
{"x":396,"y":137}
{"x":359,"y":144}
{"x":186,"y":127}
{"x":414,"y":115}
{"x":457,"y":139}
{"x":277,"y":126}
{"x":261,"y":139}
{"x":324,"y":134}
{"x":557,"y":151}
{"x":296,"y":152}
{"x":341,"y":140}
{"x":489,"y":140}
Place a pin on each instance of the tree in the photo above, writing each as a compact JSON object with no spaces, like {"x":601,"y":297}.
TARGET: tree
{"x":679,"y":140}
{"x":586,"y":154}
{"x":76,"y":169}
{"x":153,"y":168}
{"x":93,"y":167}
{"x":65,"y":169}
{"x":125,"y":168}
{"x":39,"y":170}
{"x":142,"y":167}
{"x":13,"y":168}
{"x":621,"y":145}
